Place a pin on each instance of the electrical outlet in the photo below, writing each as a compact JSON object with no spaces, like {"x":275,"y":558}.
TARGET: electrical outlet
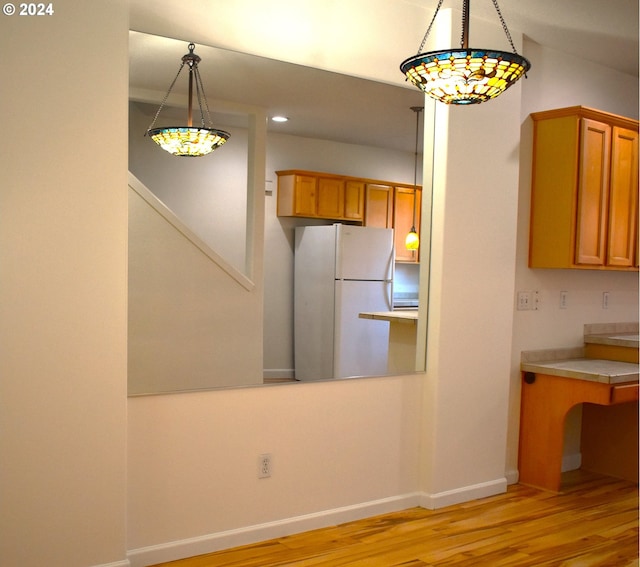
{"x":605,"y":300}
{"x":564,"y":299}
{"x":264,"y":465}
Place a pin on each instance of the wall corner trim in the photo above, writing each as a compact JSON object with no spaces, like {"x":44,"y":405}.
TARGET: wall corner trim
{"x":513,"y":475}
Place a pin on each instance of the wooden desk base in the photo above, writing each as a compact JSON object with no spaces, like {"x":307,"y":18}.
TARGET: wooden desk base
{"x":544,"y":406}
{"x":610,"y":440}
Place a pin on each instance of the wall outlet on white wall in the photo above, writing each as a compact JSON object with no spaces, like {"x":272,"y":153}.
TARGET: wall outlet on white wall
{"x":264,"y":465}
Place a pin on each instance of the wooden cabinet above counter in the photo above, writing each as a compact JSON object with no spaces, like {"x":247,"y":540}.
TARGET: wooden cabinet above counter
{"x":584,"y":196}
{"x":362,"y":201}
{"x":320,"y":195}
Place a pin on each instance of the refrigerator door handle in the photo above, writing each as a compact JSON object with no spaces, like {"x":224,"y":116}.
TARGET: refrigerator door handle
{"x":392,"y":269}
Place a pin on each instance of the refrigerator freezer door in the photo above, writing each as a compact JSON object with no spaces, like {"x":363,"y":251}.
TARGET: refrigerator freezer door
{"x":364,"y":253}
{"x":360,"y":345}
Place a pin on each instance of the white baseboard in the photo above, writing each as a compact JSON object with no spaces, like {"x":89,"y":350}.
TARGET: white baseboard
{"x":463,"y":494}
{"x":209,"y":543}
{"x":123,"y":563}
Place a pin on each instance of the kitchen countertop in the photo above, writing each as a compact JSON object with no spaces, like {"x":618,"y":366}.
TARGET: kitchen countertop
{"x":573,"y":363}
{"x":630,"y":340}
{"x":613,"y":334}
{"x":594,"y":370}
{"x":401,"y":316}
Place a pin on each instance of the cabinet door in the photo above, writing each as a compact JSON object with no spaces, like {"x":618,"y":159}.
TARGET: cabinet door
{"x":305,"y":196}
{"x":354,"y":200}
{"x":378,"y":208}
{"x":330,"y":198}
{"x":591,"y":218}
{"x":406,"y":201}
{"x":623,"y":198}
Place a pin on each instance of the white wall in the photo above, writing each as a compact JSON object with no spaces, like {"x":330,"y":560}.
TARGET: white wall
{"x":340,"y":450}
{"x":550,"y":327}
{"x":63,"y":242}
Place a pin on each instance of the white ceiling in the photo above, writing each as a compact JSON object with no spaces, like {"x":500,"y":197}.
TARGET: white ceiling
{"x":602,"y":31}
{"x":332,"y":106}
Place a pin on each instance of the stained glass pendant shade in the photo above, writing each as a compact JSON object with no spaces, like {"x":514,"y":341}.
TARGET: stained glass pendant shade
{"x":466,"y":75}
{"x":189,"y":140}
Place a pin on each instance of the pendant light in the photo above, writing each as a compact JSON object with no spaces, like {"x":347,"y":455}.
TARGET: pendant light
{"x":412,"y":241}
{"x":466,"y":75}
{"x":189,"y":140}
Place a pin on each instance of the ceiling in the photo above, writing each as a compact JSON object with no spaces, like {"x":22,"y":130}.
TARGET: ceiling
{"x":602,"y":31}
{"x":328,"y":105}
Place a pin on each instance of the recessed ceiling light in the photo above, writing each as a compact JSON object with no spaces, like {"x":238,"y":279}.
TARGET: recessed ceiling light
{"x":279,"y":118}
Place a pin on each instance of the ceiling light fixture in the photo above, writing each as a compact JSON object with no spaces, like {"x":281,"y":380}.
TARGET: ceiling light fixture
{"x":412,"y":241}
{"x":189,"y":140}
{"x":466,"y":75}
{"x":279,"y":119}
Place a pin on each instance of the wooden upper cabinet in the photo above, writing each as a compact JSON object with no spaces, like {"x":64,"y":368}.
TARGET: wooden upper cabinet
{"x":304,"y":189}
{"x":379,"y":205}
{"x":388,"y":206}
{"x":318,"y":195}
{"x":354,"y":194}
{"x":623,"y":199}
{"x":406,"y":201}
{"x":584,"y":205}
{"x":330,"y":198}
{"x":363,"y":201}
{"x":593,"y":190}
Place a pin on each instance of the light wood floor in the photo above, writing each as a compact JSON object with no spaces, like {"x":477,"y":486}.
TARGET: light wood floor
{"x":594,"y":522}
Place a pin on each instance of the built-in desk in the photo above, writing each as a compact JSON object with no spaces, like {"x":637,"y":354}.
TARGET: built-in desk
{"x":555,"y":381}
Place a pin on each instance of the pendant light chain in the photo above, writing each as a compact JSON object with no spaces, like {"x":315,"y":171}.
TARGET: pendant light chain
{"x":200,"y":93}
{"x":464,"y":39}
{"x":504,"y":26}
{"x":166,"y":96}
{"x":464,"y":17}
{"x":417,"y":110}
{"x":426,"y":35}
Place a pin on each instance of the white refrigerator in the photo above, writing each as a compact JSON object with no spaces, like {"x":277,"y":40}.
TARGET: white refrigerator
{"x":339,"y":272}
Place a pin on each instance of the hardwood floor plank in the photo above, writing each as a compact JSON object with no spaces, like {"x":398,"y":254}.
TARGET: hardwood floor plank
{"x":593,"y":523}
